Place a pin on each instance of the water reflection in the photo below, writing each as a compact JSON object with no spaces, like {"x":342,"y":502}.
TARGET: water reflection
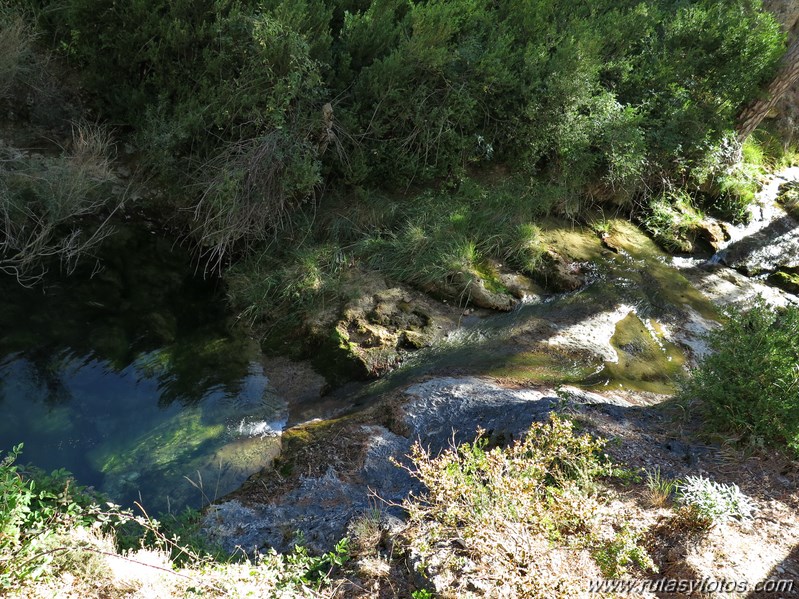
{"x":133,"y":379}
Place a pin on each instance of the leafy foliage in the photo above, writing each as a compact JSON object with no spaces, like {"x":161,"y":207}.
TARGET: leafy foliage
{"x":260,"y":102}
{"x":749,"y":385}
{"x":617,"y":556}
{"x":49,"y":525}
{"x":671,"y":218}
{"x":33,"y":510}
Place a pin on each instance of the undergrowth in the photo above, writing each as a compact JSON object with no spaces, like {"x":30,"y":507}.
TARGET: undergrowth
{"x":436,"y":240}
{"x":61,"y":539}
{"x":492,"y":517}
{"x":748,"y":387}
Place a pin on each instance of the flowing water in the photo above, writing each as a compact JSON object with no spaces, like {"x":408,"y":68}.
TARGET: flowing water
{"x":630,"y":328}
{"x":132,"y":381}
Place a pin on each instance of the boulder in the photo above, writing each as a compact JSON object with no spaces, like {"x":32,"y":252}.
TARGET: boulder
{"x":560,"y":274}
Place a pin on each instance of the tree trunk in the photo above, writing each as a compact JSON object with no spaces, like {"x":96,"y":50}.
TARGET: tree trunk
{"x":788,"y":74}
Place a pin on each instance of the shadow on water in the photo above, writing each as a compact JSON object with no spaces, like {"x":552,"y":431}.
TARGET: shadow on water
{"x":132,"y":378}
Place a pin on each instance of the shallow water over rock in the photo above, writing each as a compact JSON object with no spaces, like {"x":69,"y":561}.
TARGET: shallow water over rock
{"x":635,"y":324}
{"x":769,"y":240}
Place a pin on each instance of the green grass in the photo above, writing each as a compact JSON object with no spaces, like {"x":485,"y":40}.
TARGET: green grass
{"x":437,"y":240}
{"x":671,"y":218}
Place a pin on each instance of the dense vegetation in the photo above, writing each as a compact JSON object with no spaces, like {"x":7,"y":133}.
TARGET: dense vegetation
{"x":490,"y":514}
{"x":61,"y":539}
{"x":251,"y":115}
{"x":293,"y":140}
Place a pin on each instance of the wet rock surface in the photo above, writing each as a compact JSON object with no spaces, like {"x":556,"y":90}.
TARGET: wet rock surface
{"x":770,"y":240}
{"x":378,"y":327}
{"x":635,"y":322}
{"x":436,"y":413}
{"x":560,"y":273}
{"x":759,"y":258}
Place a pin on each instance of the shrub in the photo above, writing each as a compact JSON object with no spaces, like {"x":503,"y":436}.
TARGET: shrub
{"x":714,"y":501}
{"x":671,"y":219}
{"x":617,"y":556}
{"x":43,"y":200}
{"x":749,"y":385}
{"x":35,"y":509}
{"x":491,"y":517}
{"x":49,"y":526}
{"x":600,"y":98}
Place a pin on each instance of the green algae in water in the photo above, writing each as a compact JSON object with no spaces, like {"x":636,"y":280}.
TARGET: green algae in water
{"x":546,"y":367}
{"x":514,"y":346}
{"x":646,"y":361}
{"x":132,"y":379}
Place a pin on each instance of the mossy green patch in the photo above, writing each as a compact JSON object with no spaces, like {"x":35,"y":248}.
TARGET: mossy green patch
{"x":660,"y":287}
{"x":545,"y":367}
{"x":576,"y":242}
{"x":309,"y":445}
{"x":784,"y":279}
{"x":490,"y":277}
{"x":624,"y":235}
{"x":646,"y":361}
{"x":789,"y":198}
{"x":334,"y":357}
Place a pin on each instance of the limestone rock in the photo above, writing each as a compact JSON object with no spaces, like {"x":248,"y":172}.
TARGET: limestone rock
{"x":559,"y":273}
{"x":370,"y":335}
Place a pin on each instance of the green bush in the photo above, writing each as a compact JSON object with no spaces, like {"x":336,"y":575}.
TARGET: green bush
{"x":248,"y":110}
{"x":622,"y":553}
{"x":671,"y":218}
{"x":34,"y":509}
{"x":749,"y":385}
{"x":598,"y":95}
{"x":50,"y":526}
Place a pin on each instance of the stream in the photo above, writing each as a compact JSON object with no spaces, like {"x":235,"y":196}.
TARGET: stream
{"x":132,"y":379}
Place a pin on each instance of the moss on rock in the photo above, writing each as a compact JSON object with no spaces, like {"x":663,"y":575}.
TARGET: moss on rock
{"x":786,"y":279}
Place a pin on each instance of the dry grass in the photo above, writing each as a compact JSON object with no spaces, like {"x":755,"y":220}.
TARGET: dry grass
{"x":43,"y":200}
{"x":659,"y":490}
{"x":93,"y":568}
{"x":16,"y":40}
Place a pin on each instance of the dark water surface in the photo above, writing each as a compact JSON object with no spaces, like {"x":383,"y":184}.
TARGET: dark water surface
{"x":132,"y":380}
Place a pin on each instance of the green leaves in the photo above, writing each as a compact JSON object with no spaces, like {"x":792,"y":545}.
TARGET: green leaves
{"x":750,"y":384}
{"x":259,"y":105}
